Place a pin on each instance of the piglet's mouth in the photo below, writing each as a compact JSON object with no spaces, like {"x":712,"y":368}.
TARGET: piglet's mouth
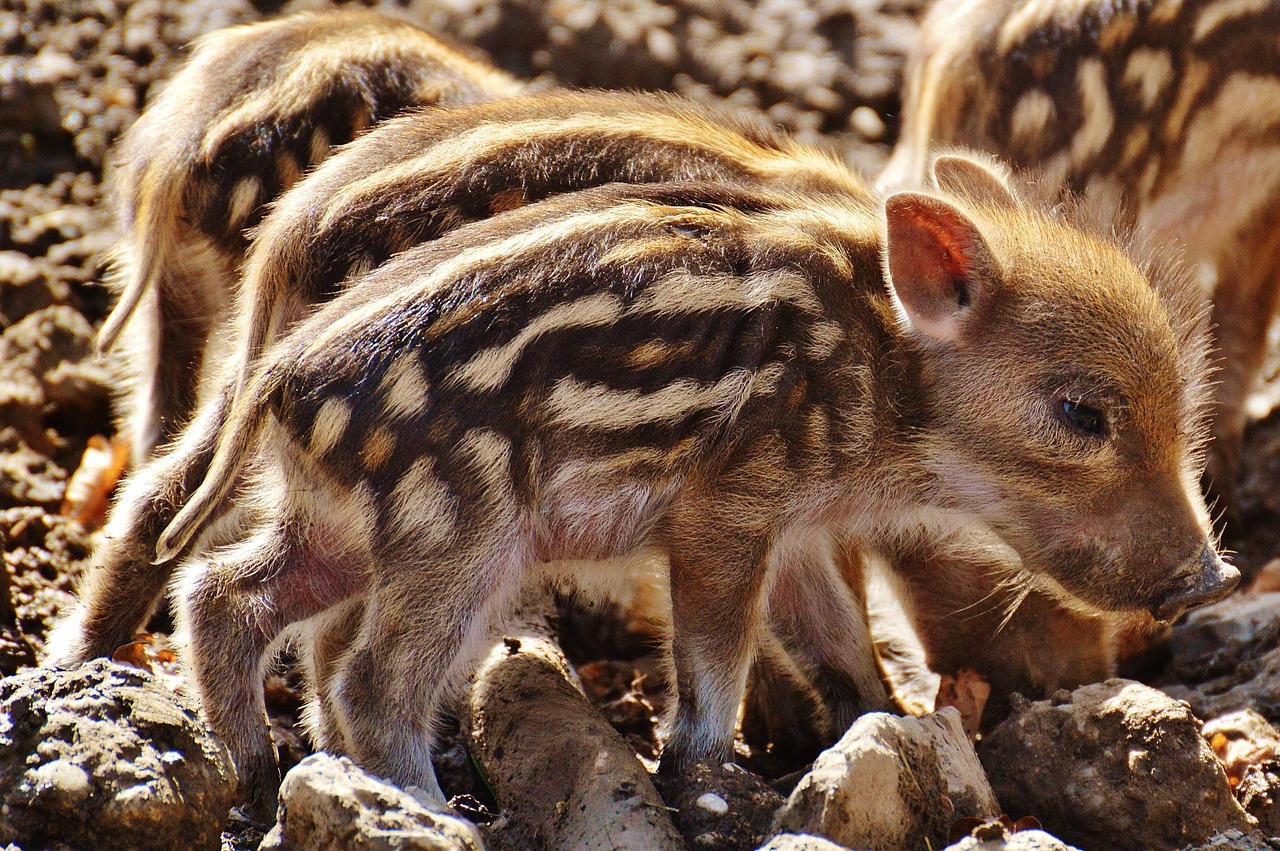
{"x":1206,"y":580}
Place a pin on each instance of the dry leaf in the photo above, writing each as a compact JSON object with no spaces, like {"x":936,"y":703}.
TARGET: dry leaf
{"x":89,"y":489}
{"x":967,"y":691}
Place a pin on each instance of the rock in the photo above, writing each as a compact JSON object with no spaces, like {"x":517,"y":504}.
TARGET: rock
{"x":15,"y":651}
{"x":1111,"y":765}
{"x":1259,"y":794}
{"x":722,"y":806}
{"x":564,"y":778}
{"x":1226,"y":657}
{"x":1249,"y":749}
{"x":103,"y":756}
{"x":328,"y":802}
{"x":799,"y":842}
{"x":1238,"y":620}
{"x":46,"y":359}
{"x":967,"y":785}
{"x":28,"y":478}
{"x":891,"y":783}
{"x":995,"y":837}
{"x":1237,"y":840}
{"x":44,"y":556}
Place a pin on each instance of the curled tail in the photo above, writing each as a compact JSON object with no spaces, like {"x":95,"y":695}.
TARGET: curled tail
{"x":232,"y":449}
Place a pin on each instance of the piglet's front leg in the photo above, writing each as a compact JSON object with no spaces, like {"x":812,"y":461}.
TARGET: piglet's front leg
{"x":717,"y":584}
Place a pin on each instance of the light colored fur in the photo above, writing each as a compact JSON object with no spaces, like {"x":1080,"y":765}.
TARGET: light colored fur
{"x":741,"y":509}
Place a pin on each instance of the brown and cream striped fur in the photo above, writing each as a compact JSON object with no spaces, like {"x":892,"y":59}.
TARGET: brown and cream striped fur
{"x":253,"y":109}
{"x":732,"y":375}
{"x":402,"y":184}
{"x":1166,"y":109}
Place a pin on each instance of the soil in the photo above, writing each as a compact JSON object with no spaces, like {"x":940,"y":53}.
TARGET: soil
{"x":74,"y":74}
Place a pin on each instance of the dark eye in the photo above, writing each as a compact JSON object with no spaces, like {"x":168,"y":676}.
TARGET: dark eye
{"x":1087,"y":420}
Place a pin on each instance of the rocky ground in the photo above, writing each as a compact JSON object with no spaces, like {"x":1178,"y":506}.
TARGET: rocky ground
{"x":110,"y":756}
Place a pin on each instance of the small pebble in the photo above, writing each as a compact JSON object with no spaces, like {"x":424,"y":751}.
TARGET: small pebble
{"x":62,"y":779}
{"x":713,"y":803}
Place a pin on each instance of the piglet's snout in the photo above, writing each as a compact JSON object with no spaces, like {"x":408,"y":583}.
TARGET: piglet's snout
{"x":1206,"y":580}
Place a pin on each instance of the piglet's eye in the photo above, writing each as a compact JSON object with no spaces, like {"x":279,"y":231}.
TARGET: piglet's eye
{"x":1084,"y":419}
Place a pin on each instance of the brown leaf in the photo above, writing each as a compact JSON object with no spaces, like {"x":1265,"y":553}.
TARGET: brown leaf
{"x":967,"y":691}
{"x":89,"y":488}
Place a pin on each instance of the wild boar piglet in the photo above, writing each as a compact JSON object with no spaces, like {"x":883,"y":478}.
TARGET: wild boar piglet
{"x":406,"y":182}
{"x":723,"y":373}
{"x":1167,"y":111}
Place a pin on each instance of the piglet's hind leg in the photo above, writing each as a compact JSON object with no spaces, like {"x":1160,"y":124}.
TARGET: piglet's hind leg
{"x":422,"y":628}
{"x":235,"y":604}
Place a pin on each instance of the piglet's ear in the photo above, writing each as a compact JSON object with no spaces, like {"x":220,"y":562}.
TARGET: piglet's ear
{"x":937,"y":262}
{"x":982,"y":181}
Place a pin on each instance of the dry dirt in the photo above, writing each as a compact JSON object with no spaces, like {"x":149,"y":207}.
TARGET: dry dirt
{"x":75,"y":73}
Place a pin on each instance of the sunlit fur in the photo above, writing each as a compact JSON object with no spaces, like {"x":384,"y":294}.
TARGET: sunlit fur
{"x":797,"y":402}
{"x":1166,"y":111}
{"x":407,"y":182}
{"x":254,"y":108}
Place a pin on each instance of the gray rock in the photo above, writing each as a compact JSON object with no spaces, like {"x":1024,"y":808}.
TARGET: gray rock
{"x":564,"y":778}
{"x":328,"y":802}
{"x":1225,"y":657}
{"x":1111,"y":765}
{"x":1237,"y":840}
{"x":885,"y":784}
{"x":104,"y":756}
{"x":967,"y":785}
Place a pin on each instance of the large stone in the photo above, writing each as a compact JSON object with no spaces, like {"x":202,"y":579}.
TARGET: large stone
{"x":565,"y":780}
{"x":891,"y":783}
{"x":1001,"y":840}
{"x":1109,"y":766}
{"x":328,"y":803}
{"x":1226,"y":657}
{"x":104,"y":756}
{"x":799,"y":842}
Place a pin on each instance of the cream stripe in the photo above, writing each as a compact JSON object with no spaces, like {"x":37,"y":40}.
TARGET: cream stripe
{"x":1149,"y":71}
{"x":1099,"y":120}
{"x":404,"y":388}
{"x":505,"y":251}
{"x":699,"y":136}
{"x":489,"y":369}
{"x":331,"y":421}
{"x":244,"y":197}
{"x":579,"y":405}
{"x":682,"y":292}
{"x":422,"y":506}
{"x":1226,"y":10}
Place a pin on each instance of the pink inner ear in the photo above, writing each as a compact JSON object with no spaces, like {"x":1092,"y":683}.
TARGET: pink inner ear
{"x":936,"y":260}
{"x":952,"y":253}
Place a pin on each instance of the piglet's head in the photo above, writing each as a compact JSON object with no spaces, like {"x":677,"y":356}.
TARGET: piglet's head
{"x":1062,"y":392}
